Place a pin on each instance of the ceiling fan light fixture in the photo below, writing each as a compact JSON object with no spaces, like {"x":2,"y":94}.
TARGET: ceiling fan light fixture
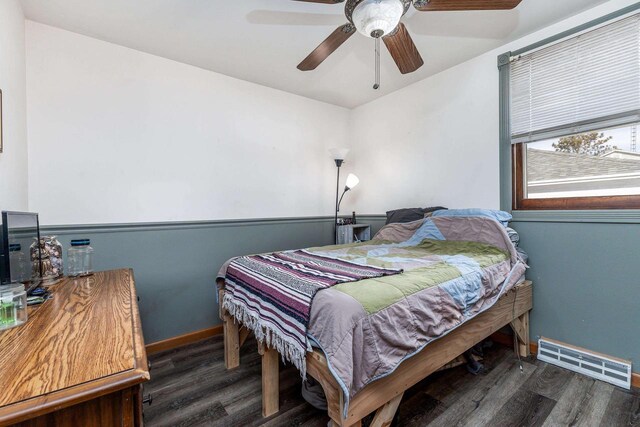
{"x":376,"y":18}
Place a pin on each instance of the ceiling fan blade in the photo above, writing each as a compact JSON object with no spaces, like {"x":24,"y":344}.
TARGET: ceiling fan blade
{"x":327,"y":47}
{"x":323,"y":1}
{"x":403,"y":50}
{"x":443,"y":5}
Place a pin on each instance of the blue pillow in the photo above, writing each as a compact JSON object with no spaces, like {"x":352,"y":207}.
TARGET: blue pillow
{"x":500,"y":216}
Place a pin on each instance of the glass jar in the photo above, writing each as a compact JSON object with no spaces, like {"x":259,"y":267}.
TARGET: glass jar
{"x":80,"y":258}
{"x":13,"y":305}
{"x":41,"y":260}
{"x":54,"y":250}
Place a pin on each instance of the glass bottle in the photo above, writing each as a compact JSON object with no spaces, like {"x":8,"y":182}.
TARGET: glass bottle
{"x":80,"y":258}
{"x":13,"y":305}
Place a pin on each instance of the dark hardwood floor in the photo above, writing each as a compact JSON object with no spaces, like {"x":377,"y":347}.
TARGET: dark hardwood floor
{"x":190,"y":387}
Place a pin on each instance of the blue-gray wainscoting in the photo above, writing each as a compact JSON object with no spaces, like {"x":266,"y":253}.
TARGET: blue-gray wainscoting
{"x":586,"y":275}
{"x":586,"y":289}
{"x":175,"y":264}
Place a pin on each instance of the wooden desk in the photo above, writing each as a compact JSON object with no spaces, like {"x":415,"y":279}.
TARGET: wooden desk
{"x":79,"y":360}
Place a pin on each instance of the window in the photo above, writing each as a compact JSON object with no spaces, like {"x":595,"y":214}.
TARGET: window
{"x":575,"y":116}
{"x":584,"y":168}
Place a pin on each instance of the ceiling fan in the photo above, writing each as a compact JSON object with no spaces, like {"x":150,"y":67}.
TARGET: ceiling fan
{"x":380,"y":19}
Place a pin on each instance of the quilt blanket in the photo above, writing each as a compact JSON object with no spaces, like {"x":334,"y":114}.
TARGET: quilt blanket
{"x":368,"y":328}
{"x":453,"y":269}
{"x":271,"y":294}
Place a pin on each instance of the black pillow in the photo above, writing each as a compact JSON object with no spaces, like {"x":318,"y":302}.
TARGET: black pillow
{"x":434,"y":208}
{"x":409,"y":214}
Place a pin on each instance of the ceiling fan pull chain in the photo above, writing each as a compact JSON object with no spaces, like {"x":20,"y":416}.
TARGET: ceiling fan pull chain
{"x":377,"y":83}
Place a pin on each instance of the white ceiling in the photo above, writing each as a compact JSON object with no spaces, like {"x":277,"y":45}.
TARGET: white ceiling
{"x":262,"y":41}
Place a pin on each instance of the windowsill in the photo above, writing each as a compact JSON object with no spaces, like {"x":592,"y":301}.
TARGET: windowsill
{"x":617,"y":216}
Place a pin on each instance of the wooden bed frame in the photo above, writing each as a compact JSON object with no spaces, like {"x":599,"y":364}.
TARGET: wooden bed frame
{"x":385,"y":394}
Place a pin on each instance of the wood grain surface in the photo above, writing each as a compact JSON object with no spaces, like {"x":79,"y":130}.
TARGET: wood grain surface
{"x":444,"y":5}
{"x":327,"y":47}
{"x":82,"y":344}
{"x":323,"y":1}
{"x":109,"y":407}
{"x":403,"y":51}
{"x":182,"y":340}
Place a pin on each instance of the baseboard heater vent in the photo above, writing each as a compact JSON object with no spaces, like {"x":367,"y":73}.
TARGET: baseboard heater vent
{"x":598,"y":366}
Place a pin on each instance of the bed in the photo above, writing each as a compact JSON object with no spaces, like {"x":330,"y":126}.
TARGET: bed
{"x":380,"y":315}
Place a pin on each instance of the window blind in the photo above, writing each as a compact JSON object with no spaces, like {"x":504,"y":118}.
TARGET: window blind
{"x":588,"y":82}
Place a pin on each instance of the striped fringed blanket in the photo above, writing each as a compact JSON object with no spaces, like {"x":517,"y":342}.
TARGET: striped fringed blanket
{"x":271,"y":294}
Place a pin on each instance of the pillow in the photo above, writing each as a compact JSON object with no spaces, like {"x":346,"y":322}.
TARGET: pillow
{"x":500,"y":216}
{"x":523,"y":255}
{"x":404,"y":215}
{"x":398,"y":232}
{"x":409,"y":214}
{"x":428,"y":230}
{"x":429,"y":211}
{"x":513,"y":236}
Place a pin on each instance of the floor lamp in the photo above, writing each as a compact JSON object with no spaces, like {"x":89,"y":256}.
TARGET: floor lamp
{"x":338,"y":155}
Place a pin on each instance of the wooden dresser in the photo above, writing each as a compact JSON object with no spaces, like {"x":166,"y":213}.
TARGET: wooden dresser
{"x":80,"y":359}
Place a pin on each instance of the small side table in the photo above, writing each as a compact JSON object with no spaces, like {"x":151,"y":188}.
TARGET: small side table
{"x":352,"y":233}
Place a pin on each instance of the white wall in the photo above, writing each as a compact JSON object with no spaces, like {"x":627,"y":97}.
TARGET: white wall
{"x":13,"y":161}
{"x":436,"y":142}
{"x":116,"y":135}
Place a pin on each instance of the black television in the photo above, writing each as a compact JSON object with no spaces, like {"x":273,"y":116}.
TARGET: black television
{"x":19,"y":231}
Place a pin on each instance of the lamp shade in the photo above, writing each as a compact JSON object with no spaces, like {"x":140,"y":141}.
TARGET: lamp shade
{"x":338,"y":153}
{"x":376,"y":18}
{"x":352,"y":181}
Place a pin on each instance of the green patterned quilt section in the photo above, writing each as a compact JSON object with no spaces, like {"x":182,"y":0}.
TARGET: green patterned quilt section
{"x":374,"y":294}
{"x":483,"y":254}
{"x":425,"y":265}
